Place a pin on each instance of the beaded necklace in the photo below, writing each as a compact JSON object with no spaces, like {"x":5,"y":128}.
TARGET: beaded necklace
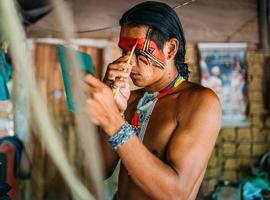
{"x":146,"y":106}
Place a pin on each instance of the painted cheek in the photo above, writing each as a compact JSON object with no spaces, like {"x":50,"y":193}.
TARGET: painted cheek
{"x":160,"y":55}
{"x":157,"y":52}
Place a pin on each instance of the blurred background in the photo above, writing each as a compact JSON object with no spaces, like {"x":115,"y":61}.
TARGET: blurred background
{"x":227,"y":50}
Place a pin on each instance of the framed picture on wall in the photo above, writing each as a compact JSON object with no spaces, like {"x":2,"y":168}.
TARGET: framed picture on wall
{"x":223,"y":69}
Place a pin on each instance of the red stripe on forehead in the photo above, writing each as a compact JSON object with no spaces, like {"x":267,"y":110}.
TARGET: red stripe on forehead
{"x":127,"y":43}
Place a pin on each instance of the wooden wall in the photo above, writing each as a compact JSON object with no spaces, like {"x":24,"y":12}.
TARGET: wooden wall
{"x":46,"y":182}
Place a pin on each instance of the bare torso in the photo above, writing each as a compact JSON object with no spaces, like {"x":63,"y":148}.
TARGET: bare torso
{"x":163,"y":122}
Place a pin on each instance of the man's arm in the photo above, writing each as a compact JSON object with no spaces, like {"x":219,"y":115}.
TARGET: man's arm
{"x":110,"y":157}
{"x":188,"y":153}
{"x":118,"y":68}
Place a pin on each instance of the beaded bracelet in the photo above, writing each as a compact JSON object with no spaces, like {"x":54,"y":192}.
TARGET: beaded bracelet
{"x":122,"y":136}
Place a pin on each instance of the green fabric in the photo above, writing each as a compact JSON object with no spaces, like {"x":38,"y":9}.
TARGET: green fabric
{"x":86,"y":64}
{"x":254,"y":185}
{"x":5,"y":75}
{"x":260,"y":181}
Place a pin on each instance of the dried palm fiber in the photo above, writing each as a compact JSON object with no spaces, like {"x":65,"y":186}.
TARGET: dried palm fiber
{"x":86,"y":131}
{"x":14,"y":34}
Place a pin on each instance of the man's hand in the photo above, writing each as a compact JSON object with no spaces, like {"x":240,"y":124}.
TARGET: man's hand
{"x":117,"y":76}
{"x":102,"y":107}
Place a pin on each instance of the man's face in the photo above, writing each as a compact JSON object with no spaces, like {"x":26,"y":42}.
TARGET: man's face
{"x":145,"y":71}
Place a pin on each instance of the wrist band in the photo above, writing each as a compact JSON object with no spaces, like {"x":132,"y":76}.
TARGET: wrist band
{"x":122,"y":136}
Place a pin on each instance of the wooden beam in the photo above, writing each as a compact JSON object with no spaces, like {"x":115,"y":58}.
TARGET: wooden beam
{"x":263,"y":24}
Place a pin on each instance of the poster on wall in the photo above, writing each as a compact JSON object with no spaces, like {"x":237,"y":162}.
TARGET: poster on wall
{"x":223,"y":69}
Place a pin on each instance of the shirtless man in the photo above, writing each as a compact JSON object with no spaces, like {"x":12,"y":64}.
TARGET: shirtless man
{"x":165,"y":156}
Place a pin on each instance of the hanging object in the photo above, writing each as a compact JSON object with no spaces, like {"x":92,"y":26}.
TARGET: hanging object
{"x":86,"y":64}
{"x":5,"y":75}
{"x":33,"y":10}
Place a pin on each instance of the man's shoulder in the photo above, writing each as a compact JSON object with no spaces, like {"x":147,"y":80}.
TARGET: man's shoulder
{"x":197,"y":100}
{"x":197,"y":91}
{"x":195,"y":95}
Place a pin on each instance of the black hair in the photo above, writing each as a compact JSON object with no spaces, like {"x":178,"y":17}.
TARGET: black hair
{"x":165,"y":24}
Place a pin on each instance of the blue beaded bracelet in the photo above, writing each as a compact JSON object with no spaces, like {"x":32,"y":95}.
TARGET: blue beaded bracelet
{"x":122,"y":136}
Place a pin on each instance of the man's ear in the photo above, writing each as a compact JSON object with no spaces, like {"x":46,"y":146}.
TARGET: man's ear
{"x":171,"y":48}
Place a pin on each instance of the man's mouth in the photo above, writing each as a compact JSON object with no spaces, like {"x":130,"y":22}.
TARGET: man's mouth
{"x":134,"y":75}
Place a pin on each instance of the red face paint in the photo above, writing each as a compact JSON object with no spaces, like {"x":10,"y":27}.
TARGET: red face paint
{"x":126,"y":43}
{"x":150,"y":50}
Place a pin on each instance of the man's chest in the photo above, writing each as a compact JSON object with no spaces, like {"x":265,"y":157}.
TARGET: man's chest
{"x":160,"y":126}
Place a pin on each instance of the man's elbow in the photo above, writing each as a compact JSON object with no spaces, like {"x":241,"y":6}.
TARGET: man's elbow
{"x":173,"y":191}
{"x":179,"y":192}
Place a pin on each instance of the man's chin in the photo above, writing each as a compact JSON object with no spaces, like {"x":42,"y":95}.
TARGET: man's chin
{"x":138,"y":83}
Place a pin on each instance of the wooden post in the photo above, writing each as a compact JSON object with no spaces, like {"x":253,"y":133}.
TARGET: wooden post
{"x":263,"y":24}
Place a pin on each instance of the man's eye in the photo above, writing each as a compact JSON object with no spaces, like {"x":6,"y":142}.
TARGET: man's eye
{"x":143,"y":59}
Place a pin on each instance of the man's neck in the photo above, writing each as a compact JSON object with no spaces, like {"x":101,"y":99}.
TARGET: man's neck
{"x":163,"y":82}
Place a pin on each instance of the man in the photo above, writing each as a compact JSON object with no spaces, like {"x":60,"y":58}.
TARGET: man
{"x":163,"y":133}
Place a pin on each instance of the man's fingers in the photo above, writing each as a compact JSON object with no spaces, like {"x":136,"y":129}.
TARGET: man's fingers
{"x":108,"y":82}
{"x":92,"y":111}
{"x":119,"y":66}
{"x":113,"y":74}
{"x":122,"y":59}
{"x":87,"y":86}
{"x":119,"y":83}
{"x":118,"y":69}
{"x":92,"y":81}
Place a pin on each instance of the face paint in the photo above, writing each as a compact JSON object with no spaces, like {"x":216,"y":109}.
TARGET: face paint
{"x":145,"y":47}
